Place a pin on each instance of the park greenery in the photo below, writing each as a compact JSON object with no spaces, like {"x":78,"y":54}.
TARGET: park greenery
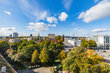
{"x":89,"y":44}
{"x":51,"y":52}
{"x":44,"y":52}
{"x":82,"y":60}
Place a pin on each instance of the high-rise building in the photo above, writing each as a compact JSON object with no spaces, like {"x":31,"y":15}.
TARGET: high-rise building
{"x":15,"y":34}
{"x":10,"y":35}
{"x":30,"y":35}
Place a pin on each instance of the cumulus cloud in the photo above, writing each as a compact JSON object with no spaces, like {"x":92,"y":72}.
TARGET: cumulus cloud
{"x":7,"y":31}
{"x":38,"y":27}
{"x":52,"y":25}
{"x":100,"y":30}
{"x":67,"y":4}
{"x":52,"y":19}
{"x":63,"y":16}
{"x":7,"y":12}
{"x":101,"y":10}
{"x":43,"y":15}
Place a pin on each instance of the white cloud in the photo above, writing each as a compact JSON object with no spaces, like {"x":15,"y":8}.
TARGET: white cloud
{"x":33,"y":11}
{"x":67,"y":4}
{"x":31,"y":23}
{"x":100,"y":30}
{"x":52,"y":25}
{"x":38,"y":27}
{"x":95,"y":1}
{"x":7,"y":31}
{"x":7,"y":12}
{"x":42,"y":15}
{"x":63,"y":16}
{"x":52,"y":19}
{"x":101,"y":10}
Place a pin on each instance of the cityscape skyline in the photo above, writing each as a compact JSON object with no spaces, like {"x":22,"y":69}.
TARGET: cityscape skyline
{"x":68,"y":17}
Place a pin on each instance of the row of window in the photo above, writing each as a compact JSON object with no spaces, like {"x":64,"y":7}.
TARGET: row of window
{"x":106,"y":39}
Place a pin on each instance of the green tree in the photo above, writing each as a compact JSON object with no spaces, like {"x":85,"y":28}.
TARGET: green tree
{"x":91,"y":44}
{"x":4,"y":46}
{"x":28,"y":50}
{"x":84,"y":43}
{"x":35,"y":57}
{"x":44,"y":56}
{"x":58,"y":37}
{"x":30,"y":42}
{"x":15,"y":45}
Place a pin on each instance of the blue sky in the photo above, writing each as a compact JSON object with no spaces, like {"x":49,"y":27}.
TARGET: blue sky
{"x":69,"y":17}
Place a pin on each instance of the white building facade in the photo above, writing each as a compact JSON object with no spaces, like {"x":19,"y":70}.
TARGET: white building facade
{"x":103,"y":41}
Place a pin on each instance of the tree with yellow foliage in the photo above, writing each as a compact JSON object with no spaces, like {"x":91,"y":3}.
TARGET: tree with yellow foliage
{"x":35,"y":57}
{"x":44,"y":56}
{"x":62,"y":55}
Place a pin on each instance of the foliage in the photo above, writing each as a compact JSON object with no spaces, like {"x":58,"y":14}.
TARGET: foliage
{"x":4,"y":46}
{"x":58,"y":37}
{"x":8,"y":51}
{"x":15,"y":45}
{"x":81,"y":60}
{"x":18,"y":57}
{"x":35,"y":57}
{"x":11,"y":53}
{"x":89,"y":44}
{"x":44,"y":56}
{"x":62,"y":55}
{"x":28,"y":50}
{"x":84,"y":43}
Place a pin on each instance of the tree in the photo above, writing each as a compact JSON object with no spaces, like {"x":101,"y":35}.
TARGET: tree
{"x":105,"y":67}
{"x":44,"y":56}
{"x":84,"y":43}
{"x":15,"y":45}
{"x":58,"y":37}
{"x":91,"y":44}
{"x":11,"y":53}
{"x":80,"y":60}
{"x":52,"y":52}
{"x":28,"y":50}
{"x":35,"y":57}
{"x":18,"y":57}
{"x":62,"y":55}
{"x":30,"y":42}
{"x":8,"y":51}
{"x":4,"y":46}
{"x":22,"y":44}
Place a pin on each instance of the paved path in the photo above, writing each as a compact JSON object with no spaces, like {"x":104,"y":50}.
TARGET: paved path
{"x":38,"y":70}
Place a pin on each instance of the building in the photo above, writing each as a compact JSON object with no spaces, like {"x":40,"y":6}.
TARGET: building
{"x":14,"y":40}
{"x":51,"y":36}
{"x":15,"y":34}
{"x":103,"y":41}
{"x":30,"y":35}
{"x":71,"y":43}
{"x":10,"y":35}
